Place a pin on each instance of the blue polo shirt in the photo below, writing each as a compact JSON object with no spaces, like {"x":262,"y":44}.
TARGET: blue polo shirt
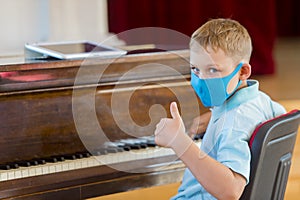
{"x":227,"y":135}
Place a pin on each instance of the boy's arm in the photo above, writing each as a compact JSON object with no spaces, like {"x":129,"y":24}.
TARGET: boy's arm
{"x":215,"y":177}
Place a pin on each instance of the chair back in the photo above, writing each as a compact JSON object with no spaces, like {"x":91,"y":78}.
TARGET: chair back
{"x":271,"y":145}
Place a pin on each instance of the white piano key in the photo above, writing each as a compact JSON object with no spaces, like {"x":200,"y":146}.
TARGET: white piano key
{"x":58,"y":167}
{"x":92,"y":162}
{"x":18,"y":174}
{"x":25,"y":172}
{"x":45,"y":169}
{"x":114,"y":158}
{"x":71,"y":165}
{"x":77,"y":164}
{"x":84,"y":163}
{"x":51,"y":169}
{"x":10,"y":175}
{"x":3,"y":176}
{"x":96,"y":162}
{"x":31,"y":171}
{"x":65,"y":166}
{"x":123,"y":156}
{"x":38,"y":170}
{"x":102,"y":159}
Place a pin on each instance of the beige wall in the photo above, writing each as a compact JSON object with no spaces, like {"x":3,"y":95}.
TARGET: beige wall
{"x":77,"y":19}
{"x":30,"y":21}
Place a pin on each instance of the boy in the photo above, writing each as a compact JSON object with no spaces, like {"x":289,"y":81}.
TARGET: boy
{"x":219,"y":55}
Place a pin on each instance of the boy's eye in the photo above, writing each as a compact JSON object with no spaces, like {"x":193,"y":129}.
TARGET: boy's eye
{"x":212,"y":70}
{"x":195,"y":70}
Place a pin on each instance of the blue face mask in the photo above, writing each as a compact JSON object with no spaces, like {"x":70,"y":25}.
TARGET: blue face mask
{"x":213,"y":91}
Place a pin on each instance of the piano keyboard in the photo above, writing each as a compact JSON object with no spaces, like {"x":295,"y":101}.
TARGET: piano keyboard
{"x":111,"y":153}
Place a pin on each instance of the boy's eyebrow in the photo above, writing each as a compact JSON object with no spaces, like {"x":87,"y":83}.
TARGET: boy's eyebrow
{"x":208,"y":65}
{"x":211,"y":65}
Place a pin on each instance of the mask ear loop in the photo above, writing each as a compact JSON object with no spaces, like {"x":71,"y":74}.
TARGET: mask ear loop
{"x":240,"y":65}
{"x":234,"y":73}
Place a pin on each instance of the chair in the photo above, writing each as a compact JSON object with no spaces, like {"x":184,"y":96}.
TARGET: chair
{"x":271,"y":145}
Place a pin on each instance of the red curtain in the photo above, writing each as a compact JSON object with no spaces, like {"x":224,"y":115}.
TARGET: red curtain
{"x":259,"y":17}
{"x":288,"y":18}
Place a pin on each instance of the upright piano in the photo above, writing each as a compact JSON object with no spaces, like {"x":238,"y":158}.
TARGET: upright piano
{"x":76,"y":129}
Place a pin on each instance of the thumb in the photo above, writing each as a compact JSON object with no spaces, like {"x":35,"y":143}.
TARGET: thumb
{"x":174,"y":110}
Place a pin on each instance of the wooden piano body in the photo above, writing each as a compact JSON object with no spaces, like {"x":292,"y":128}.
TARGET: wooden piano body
{"x":48,"y":109}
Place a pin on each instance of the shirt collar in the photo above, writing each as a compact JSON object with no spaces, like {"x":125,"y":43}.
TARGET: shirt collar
{"x":239,"y":97}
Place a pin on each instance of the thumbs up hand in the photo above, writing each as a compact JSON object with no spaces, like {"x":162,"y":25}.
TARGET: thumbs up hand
{"x":169,"y":131}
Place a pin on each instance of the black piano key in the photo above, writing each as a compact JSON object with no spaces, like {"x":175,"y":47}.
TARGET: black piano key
{"x":112,"y":150}
{"x":34,"y":162}
{"x":198,"y":136}
{"x":54,"y":159}
{"x":5,"y":167}
{"x":131,"y":144}
{"x":41,"y":161}
{"x":78,"y":155}
{"x":143,"y":145}
{"x":151,"y":143}
{"x":24,"y":163}
{"x":100,"y":151}
{"x":51,"y":159}
{"x":119,"y":146}
{"x":70,"y":157}
{"x":125,"y":147}
{"x":14,"y":165}
{"x":86,"y":154}
{"x":135,"y":146}
{"x":60,"y":158}
{"x":142,"y":142}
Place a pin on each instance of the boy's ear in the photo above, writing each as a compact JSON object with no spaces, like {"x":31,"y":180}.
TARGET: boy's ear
{"x":245,"y":71}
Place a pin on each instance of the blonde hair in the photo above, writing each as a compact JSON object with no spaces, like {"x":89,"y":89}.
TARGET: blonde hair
{"x":226,"y":34}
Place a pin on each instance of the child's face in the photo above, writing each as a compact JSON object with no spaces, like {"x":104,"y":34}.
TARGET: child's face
{"x":211,"y":64}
